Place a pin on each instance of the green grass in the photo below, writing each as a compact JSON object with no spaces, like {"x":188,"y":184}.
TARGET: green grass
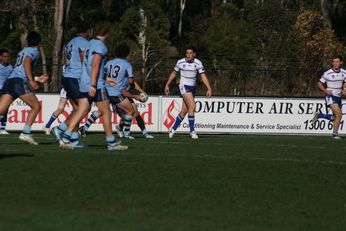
{"x":218,"y":182}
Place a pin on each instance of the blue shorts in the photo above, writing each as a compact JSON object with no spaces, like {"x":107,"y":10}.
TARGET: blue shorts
{"x":114,"y":100}
{"x":2,"y":90}
{"x":15,"y":87}
{"x":331,"y":99}
{"x":101,"y":95}
{"x":71,"y":86}
{"x":186,"y":89}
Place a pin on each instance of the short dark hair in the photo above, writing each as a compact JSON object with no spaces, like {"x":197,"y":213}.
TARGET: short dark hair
{"x":82,"y":26}
{"x":122,"y":50}
{"x":191,"y":48}
{"x":33,"y":39}
{"x":3,"y":50}
{"x":337,"y":57}
{"x":102,"y":28}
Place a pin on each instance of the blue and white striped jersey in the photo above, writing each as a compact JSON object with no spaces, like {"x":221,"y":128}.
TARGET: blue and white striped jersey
{"x":189,"y":71}
{"x":334,"y":80}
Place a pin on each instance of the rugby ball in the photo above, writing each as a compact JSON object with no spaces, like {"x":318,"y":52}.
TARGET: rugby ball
{"x":144,"y":97}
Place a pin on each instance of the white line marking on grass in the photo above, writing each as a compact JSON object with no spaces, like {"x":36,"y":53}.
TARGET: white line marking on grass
{"x":242,"y":144}
{"x":301,"y":161}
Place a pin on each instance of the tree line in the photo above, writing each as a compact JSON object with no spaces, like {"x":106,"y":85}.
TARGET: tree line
{"x":248,"y":47}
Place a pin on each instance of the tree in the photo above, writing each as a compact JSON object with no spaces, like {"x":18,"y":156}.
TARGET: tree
{"x":147,"y":27}
{"x":182,"y":8}
{"x":57,"y":49}
{"x":317,"y":44}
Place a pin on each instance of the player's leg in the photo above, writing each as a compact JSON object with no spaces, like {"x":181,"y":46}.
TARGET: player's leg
{"x":3,"y":123}
{"x":83,"y":130}
{"x":62,"y":127}
{"x":338,"y":115}
{"x":69,"y":135}
{"x":126,"y":105}
{"x":71,"y":86}
{"x":319,"y":115}
{"x":31,"y":100}
{"x":102,"y":103}
{"x":191,"y":105}
{"x":180,"y":117}
{"x":140,"y":122}
{"x":120,"y":126}
{"x":5,"y":102}
{"x":184,"y":93}
{"x":103,"y":109}
{"x":55,"y":114}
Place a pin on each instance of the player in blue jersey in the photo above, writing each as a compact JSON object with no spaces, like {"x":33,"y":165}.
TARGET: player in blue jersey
{"x":21,"y":84}
{"x":140,"y":122}
{"x":83,"y":130}
{"x":188,"y":68}
{"x":120,"y":71}
{"x":74,"y":53}
{"x":5,"y":71}
{"x":333,"y":85}
{"x":92,"y":89}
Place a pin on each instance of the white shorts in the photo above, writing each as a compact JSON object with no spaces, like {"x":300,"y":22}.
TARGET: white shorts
{"x":186,"y":89}
{"x":63,"y":93}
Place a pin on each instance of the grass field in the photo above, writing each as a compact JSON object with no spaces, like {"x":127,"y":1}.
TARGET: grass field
{"x":218,"y":182}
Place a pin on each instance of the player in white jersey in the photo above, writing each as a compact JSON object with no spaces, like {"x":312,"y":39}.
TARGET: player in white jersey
{"x":332,"y":84}
{"x":189,"y":68}
{"x":61,"y":106}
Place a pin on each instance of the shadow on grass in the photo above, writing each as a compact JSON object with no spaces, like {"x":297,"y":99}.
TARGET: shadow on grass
{"x":4,"y":156}
{"x":98,"y":146}
{"x":49,"y":143}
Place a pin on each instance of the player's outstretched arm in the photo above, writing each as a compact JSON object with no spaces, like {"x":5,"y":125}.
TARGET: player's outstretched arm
{"x":169,"y":81}
{"x":207,"y":84}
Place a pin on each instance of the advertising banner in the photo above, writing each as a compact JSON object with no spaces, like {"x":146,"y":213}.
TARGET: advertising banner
{"x":251,"y":115}
{"x":19,"y":110}
{"x":213,"y":115}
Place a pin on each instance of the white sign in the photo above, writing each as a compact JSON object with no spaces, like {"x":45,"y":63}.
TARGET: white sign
{"x":213,"y":115}
{"x":18,"y":112}
{"x":251,"y":115}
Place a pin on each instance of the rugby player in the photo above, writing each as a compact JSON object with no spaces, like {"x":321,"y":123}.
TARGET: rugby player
{"x":74,"y":53}
{"x":188,"y":68}
{"x":5,"y":72}
{"x":92,"y":89}
{"x":333,"y":85}
{"x":21,"y":84}
{"x":120,"y":71}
